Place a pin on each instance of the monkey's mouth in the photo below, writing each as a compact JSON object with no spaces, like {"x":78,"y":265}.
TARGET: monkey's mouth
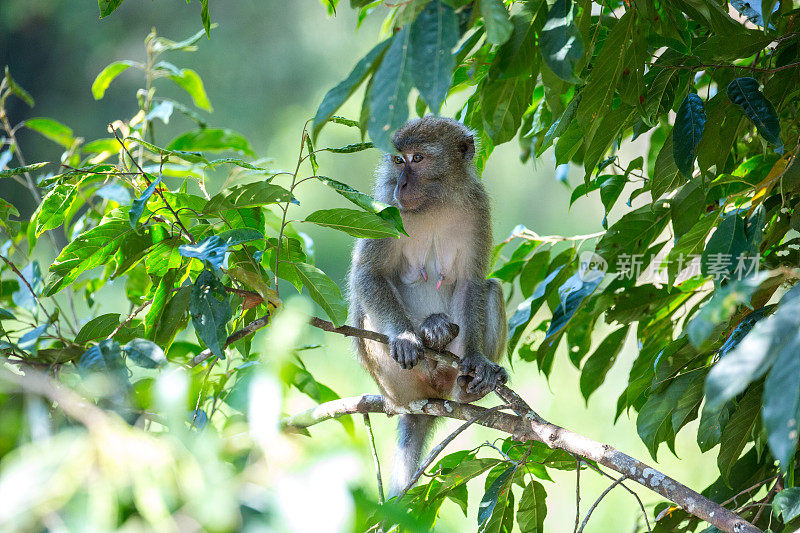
{"x":414,"y":203}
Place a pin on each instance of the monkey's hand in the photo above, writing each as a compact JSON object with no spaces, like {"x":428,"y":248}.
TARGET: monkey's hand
{"x":438,"y":331}
{"x":479,"y":376}
{"x":406,"y":349}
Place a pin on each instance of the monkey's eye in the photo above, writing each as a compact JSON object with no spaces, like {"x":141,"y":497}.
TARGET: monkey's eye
{"x":398,"y":160}
{"x":417,"y":158}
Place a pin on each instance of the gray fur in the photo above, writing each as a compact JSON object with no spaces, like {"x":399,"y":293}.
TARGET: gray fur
{"x":430,"y":288}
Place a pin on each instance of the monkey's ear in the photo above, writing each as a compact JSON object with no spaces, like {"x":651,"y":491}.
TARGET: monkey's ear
{"x":467,"y":147}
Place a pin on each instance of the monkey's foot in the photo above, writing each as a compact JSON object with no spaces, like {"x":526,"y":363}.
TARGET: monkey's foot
{"x":438,"y":331}
{"x":479,"y":376}
{"x":406,"y":349}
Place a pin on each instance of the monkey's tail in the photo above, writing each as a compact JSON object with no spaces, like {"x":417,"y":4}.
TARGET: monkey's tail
{"x":412,"y":434}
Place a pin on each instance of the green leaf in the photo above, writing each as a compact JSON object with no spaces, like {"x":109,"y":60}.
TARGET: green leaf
{"x":106,"y":76}
{"x":503,"y":102}
{"x":632,"y":234}
{"x":211,"y":140}
{"x":104,"y":358}
{"x":387,"y":212}
{"x":718,"y":311}
{"x":725,"y":247}
{"x":561,"y":44}
{"x":781,"y":409}
{"x":604,"y":78}
{"x":527,"y":309}
{"x":686,"y":208}
{"x":492,"y":508}
{"x":337,"y":96}
{"x":532,"y":508}
{"x":654,"y":423}
{"x":572,"y":294}
{"x":388,"y":96}
{"x":291,"y":252}
{"x":54,"y":207}
{"x":22,"y":170}
{"x":210,"y":308}
{"x":744,"y":92}
{"x":787,"y":504}
{"x":52,"y":129}
{"x":204,"y":17}
{"x":190,"y":81}
{"x":595,"y":369}
{"x":712,"y":423}
{"x":107,"y":7}
{"x":235,"y":236}
{"x":495,"y":18}
{"x":323,"y":291}
{"x":97,"y":328}
{"x":15,"y":89}
{"x":91,"y":249}
{"x":757,"y":352}
{"x":171,"y":316}
{"x":434,"y":34}
{"x":666,"y":175}
{"x":357,"y":223}
{"x":256,"y":194}
{"x":29,"y":342}
{"x":144,"y":353}
{"x":690,"y":122}
{"x":212,"y":250}
{"x":738,"y":429}
{"x":138,"y":204}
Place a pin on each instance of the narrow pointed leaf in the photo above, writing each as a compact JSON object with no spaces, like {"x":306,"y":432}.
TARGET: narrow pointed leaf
{"x":561,"y":42}
{"x":689,"y":125}
{"x":744,"y":92}
{"x":434,"y":34}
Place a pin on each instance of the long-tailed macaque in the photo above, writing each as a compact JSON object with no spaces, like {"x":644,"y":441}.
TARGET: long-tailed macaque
{"x":430,"y":288}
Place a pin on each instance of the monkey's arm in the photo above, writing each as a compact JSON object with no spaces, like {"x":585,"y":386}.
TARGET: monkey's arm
{"x":379,"y":301}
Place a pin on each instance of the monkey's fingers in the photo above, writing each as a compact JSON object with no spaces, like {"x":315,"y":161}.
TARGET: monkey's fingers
{"x":407,"y":351}
{"x":438,"y":331}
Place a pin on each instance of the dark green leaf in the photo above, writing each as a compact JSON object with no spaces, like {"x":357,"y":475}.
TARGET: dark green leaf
{"x":357,"y":223}
{"x":97,"y":328}
{"x":104,"y":358}
{"x":495,"y":498}
{"x":787,"y":504}
{"x":367,"y":203}
{"x":737,"y":431}
{"x":781,"y":410}
{"x":502,"y":104}
{"x":144,"y":353}
{"x":334,"y":98}
{"x":757,"y":352}
{"x":30,"y":340}
{"x":561,"y":42}
{"x":388,"y":96}
{"x":572,"y":293}
{"x":108,"y":6}
{"x":21,"y":93}
{"x":666,"y":175}
{"x":495,"y":18}
{"x":323,"y":291}
{"x":211,"y":140}
{"x":744,"y":92}
{"x":654,"y":423}
{"x":211,"y":310}
{"x":22,"y":170}
{"x":434,"y":34}
{"x":137,"y":206}
{"x":594,"y":371}
{"x":55,"y":205}
{"x":690,"y":122}
{"x":532,"y":508}
{"x":211,"y":249}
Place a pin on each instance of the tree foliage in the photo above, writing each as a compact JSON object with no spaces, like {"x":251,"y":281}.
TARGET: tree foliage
{"x":695,"y":268}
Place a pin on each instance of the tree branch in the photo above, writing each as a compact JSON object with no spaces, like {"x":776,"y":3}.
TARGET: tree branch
{"x":527,"y":428}
{"x":524,"y":425}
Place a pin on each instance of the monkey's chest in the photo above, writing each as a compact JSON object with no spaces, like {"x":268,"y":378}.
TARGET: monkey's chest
{"x":436,"y":260}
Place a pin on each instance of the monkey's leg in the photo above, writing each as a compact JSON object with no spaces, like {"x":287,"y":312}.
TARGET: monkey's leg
{"x":412,"y":433}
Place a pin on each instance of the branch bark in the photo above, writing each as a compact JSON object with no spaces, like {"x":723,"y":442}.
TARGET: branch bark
{"x":524,"y":425}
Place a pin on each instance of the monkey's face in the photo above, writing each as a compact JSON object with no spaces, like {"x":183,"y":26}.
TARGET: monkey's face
{"x":432,"y":159}
{"x":414,"y":187}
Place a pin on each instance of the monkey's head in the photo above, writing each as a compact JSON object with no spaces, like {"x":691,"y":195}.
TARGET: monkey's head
{"x":433,"y":158}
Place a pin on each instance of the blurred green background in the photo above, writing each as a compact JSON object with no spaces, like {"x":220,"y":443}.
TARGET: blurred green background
{"x":265,"y":69}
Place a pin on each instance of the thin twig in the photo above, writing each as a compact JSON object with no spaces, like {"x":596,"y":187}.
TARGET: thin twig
{"x":577,"y":491}
{"x":594,"y":505}
{"x":129,"y":318}
{"x":368,"y":424}
{"x":630,"y":490}
{"x":441,"y":446}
